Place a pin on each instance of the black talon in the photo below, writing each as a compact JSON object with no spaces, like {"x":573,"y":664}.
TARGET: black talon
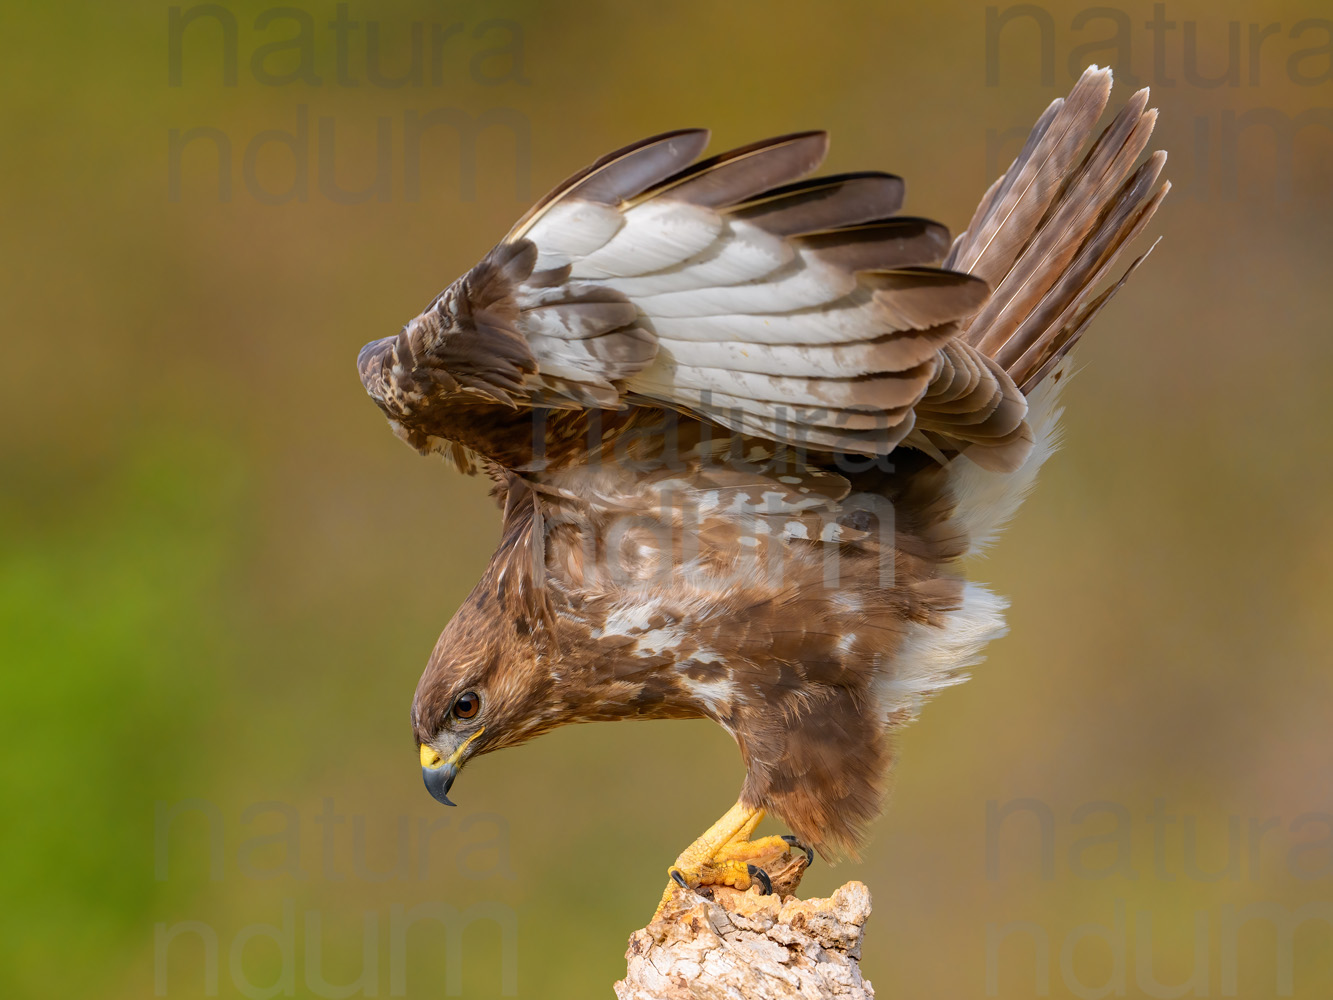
{"x":765,"y":883}
{"x":678,"y":878}
{"x":809,"y":853}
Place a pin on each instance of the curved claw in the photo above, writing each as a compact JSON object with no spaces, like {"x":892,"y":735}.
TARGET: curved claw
{"x":796,"y":843}
{"x":761,"y":876}
{"x":678,"y":878}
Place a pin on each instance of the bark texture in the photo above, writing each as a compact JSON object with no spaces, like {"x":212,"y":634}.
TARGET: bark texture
{"x":743,"y":945}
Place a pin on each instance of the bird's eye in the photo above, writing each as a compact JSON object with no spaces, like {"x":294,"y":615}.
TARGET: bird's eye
{"x":467,"y":705}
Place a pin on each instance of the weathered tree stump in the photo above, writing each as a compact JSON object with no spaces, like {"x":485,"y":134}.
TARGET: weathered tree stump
{"x":743,"y":945}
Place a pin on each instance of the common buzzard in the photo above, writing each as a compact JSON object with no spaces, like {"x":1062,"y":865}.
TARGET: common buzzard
{"x":743,"y":427}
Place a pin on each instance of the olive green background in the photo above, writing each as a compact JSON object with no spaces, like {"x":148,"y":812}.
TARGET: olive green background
{"x":221,"y":574}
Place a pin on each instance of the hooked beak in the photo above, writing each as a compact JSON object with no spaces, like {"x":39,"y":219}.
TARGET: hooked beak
{"x":439,"y":773}
{"x":439,"y":779}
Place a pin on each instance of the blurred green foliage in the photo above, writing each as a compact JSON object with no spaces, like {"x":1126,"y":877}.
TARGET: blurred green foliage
{"x":221,"y":575}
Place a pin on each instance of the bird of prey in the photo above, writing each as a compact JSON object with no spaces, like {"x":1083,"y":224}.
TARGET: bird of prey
{"x":743,"y":425}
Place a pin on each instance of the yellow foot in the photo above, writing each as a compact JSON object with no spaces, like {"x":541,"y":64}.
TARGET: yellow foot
{"x":725,"y":855}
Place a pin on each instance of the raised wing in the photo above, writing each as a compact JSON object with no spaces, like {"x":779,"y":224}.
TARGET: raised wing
{"x":802,"y":311}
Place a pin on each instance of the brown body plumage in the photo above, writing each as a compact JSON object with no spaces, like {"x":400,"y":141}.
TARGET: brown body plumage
{"x":743,"y":428}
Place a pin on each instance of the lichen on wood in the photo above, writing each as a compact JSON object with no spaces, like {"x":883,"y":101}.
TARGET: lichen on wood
{"x":744,"y":946}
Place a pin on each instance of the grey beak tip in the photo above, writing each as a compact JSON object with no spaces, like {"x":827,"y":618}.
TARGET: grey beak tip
{"x":439,"y":781}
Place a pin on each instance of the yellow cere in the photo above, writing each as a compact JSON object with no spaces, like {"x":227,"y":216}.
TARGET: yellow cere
{"x":430,"y":757}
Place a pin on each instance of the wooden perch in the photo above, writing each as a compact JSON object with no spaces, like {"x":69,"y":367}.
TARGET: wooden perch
{"x":741,"y":944}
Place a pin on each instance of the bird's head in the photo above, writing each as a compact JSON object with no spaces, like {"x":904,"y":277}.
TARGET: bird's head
{"x":483,"y":689}
{"x":447,"y":745}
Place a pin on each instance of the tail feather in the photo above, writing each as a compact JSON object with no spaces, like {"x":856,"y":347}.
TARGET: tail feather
{"x":1055,"y":338}
{"x":1015,"y":207}
{"x":1019,"y":297}
{"x":1050,"y":230}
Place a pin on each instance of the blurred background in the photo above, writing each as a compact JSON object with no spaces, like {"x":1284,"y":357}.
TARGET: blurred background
{"x":221,"y":574}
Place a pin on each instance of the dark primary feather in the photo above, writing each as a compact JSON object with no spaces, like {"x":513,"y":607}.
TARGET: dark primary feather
{"x":623,"y":174}
{"x":746,"y":172}
{"x":824,"y":203}
{"x":878,"y":245}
